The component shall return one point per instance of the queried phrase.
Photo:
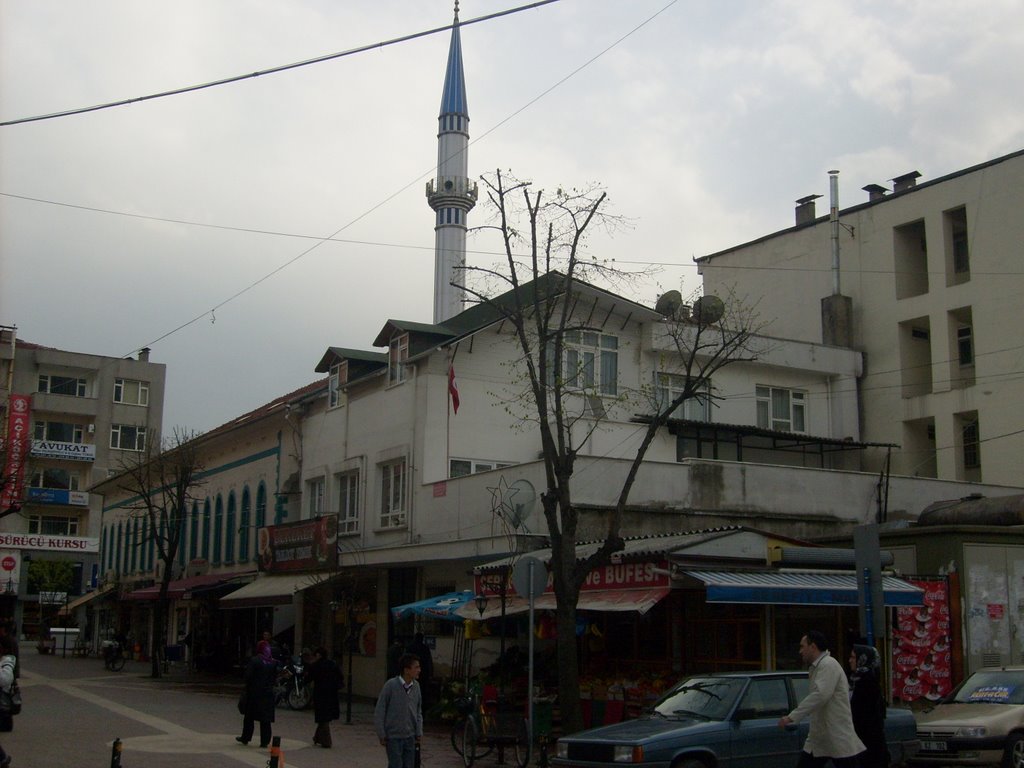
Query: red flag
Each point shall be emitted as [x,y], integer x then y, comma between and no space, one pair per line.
[453,390]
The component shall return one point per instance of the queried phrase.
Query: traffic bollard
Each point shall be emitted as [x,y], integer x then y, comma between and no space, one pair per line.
[276,756]
[543,762]
[115,754]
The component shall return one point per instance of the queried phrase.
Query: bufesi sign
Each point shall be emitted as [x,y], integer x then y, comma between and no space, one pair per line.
[626,575]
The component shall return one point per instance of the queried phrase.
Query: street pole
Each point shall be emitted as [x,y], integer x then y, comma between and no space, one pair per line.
[351,651]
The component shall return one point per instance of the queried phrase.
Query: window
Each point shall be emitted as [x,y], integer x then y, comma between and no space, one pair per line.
[958,259]
[463,467]
[972,445]
[206,530]
[51,525]
[244,527]
[59,431]
[669,386]
[131,392]
[965,345]
[193,536]
[316,497]
[127,437]
[910,253]
[261,509]
[392,494]
[231,531]
[338,379]
[398,353]
[780,409]
[218,530]
[765,698]
[591,362]
[348,502]
[60,479]
[62,385]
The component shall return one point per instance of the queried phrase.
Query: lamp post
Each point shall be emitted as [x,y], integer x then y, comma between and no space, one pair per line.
[353,638]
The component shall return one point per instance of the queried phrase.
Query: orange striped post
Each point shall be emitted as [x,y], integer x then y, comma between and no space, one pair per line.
[276,756]
[115,754]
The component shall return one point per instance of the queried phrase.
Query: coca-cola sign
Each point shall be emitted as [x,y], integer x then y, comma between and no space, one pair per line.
[921,645]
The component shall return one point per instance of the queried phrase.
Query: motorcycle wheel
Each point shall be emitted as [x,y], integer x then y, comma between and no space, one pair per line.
[299,699]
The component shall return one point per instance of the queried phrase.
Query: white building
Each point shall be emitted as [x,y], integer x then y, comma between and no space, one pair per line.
[931,275]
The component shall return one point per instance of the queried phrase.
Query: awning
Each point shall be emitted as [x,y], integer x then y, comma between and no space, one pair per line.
[438,607]
[272,590]
[78,602]
[804,588]
[639,600]
[182,588]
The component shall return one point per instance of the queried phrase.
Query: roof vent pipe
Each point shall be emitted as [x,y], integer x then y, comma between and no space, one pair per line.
[833,217]
[905,182]
[805,209]
[875,192]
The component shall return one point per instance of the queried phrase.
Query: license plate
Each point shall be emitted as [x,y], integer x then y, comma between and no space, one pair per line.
[933,746]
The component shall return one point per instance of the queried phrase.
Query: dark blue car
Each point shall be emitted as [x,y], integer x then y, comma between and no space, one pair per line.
[715,721]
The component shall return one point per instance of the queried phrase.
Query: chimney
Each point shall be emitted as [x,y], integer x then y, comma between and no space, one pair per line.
[875,192]
[905,182]
[144,355]
[805,209]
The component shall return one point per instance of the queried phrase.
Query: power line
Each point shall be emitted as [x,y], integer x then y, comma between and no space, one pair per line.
[272,70]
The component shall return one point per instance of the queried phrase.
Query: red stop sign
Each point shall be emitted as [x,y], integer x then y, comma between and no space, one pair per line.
[8,563]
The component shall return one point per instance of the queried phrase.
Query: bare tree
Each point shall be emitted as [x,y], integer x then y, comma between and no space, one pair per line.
[160,483]
[543,279]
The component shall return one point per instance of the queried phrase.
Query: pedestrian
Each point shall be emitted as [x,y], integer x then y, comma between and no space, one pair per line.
[419,647]
[867,704]
[7,664]
[827,705]
[326,679]
[395,651]
[257,703]
[398,716]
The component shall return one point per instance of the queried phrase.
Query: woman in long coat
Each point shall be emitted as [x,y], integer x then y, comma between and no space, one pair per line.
[867,704]
[326,679]
[257,703]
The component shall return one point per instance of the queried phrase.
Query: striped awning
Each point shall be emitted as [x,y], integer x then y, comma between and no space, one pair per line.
[799,588]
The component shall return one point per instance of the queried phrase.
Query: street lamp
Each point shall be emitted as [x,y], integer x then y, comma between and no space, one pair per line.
[481,604]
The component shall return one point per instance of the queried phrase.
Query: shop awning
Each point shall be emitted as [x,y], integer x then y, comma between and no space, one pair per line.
[183,588]
[78,602]
[639,600]
[803,588]
[272,590]
[438,607]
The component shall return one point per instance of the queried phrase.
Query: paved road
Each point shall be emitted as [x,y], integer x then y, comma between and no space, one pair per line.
[74,709]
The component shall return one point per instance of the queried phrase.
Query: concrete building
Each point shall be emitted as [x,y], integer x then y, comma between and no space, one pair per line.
[79,416]
[925,283]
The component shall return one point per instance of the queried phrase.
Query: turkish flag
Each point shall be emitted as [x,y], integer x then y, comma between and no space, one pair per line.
[453,389]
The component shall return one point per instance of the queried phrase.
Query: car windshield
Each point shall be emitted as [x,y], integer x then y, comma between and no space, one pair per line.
[995,686]
[706,697]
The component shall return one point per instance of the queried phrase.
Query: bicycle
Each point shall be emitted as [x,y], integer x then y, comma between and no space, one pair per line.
[113,656]
[486,727]
[465,706]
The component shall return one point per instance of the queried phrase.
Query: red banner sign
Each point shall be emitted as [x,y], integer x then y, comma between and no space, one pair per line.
[921,640]
[17,446]
[642,575]
[304,546]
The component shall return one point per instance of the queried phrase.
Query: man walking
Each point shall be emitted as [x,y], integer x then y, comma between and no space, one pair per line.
[827,704]
[398,717]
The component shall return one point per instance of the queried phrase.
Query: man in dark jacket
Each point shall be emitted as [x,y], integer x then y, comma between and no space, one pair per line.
[326,679]
[398,717]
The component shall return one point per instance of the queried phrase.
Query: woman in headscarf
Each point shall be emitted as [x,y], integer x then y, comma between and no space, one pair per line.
[257,703]
[868,705]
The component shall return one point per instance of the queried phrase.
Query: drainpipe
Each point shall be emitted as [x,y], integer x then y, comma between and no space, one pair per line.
[833,189]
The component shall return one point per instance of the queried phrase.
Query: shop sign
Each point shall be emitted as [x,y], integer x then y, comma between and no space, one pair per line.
[921,645]
[53,598]
[55,496]
[637,575]
[50,543]
[303,546]
[54,449]
[18,416]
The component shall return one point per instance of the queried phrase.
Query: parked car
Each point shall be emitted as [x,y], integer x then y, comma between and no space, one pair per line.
[727,719]
[979,723]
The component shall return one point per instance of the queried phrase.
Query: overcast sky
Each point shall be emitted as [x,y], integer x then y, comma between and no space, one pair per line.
[704,124]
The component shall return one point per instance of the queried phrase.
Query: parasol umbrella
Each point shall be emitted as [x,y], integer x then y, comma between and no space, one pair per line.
[439,607]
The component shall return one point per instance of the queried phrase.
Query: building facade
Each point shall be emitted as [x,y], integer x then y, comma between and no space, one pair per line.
[927,277]
[80,416]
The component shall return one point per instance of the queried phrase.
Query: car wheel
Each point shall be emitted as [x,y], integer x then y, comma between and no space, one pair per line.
[1014,751]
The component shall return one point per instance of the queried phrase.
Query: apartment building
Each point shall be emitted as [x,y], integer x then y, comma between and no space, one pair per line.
[924,279]
[70,419]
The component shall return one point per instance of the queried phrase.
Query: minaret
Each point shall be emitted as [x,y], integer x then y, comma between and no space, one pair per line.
[452,194]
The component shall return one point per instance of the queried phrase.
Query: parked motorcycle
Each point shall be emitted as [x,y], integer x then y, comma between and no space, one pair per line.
[293,689]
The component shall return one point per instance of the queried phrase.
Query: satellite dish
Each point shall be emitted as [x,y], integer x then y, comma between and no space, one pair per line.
[522,499]
[668,303]
[708,310]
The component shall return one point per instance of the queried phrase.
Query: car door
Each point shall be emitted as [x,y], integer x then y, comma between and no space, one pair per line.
[757,739]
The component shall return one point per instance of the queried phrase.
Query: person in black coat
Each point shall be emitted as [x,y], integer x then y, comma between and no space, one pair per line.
[868,705]
[326,679]
[257,703]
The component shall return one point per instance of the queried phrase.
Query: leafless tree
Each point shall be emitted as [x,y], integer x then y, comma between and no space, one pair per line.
[160,483]
[538,292]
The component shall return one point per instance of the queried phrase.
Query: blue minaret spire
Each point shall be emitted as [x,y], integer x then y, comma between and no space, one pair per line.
[452,194]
